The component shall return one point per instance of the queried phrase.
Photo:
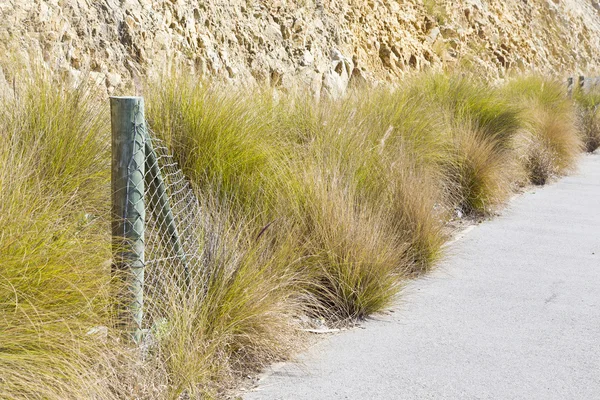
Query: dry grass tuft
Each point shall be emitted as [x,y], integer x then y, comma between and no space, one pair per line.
[481,171]
[551,143]
[210,338]
[589,117]
[351,255]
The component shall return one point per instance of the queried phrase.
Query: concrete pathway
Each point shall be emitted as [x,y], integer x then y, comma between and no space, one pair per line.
[512,313]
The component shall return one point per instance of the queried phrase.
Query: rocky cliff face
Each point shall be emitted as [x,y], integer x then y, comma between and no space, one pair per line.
[324,45]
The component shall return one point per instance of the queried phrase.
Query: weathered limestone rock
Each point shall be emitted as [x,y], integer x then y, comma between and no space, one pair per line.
[287,43]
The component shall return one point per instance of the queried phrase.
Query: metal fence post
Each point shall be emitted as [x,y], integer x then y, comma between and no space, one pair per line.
[570,86]
[128,210]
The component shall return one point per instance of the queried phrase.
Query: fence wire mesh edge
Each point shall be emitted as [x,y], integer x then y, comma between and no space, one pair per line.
[166,218]
[174,268]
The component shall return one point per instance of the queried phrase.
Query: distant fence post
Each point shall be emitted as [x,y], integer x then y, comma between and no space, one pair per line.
[570,86]
[128,210]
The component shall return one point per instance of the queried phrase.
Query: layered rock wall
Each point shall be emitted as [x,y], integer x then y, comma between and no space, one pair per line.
[323,45]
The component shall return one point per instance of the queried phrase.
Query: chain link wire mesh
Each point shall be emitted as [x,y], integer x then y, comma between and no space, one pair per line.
[172,244]
[160,244]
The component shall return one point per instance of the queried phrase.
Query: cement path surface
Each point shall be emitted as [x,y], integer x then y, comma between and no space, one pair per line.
[513,312]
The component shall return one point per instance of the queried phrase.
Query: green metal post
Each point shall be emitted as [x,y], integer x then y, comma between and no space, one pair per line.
[159,204]
[128,211]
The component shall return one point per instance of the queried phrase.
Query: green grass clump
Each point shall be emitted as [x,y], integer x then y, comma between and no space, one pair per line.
[220,140]
[589,117]
[322,172]
[54,245]
[482,105]
[475,134]
[311,211]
